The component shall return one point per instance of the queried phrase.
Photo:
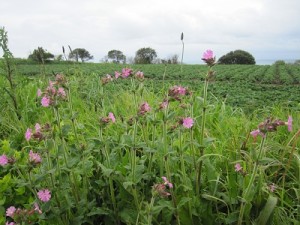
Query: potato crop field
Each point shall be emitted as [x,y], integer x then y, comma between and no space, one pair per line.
[89,143]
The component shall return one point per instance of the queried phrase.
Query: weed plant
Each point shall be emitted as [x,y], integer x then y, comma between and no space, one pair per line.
[115,149]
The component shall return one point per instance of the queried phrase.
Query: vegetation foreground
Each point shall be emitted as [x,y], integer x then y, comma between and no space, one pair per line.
[119,150]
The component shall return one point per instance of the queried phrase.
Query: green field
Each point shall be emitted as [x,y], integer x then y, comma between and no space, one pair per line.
[174,148]
[249,87]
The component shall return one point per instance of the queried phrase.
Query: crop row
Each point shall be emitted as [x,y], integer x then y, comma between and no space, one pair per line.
[265,74]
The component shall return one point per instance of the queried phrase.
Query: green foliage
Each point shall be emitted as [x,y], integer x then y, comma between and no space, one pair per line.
[145,56]
[40,55]
[80,53]
[98,170]
[116,56]
[237,57]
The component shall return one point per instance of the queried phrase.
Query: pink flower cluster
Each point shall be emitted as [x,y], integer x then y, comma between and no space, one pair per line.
[53,92]
[109,118]
[34,158]
[21,215]
[125,73]
[270,125]
[39,133]
[144,108]
[176,92]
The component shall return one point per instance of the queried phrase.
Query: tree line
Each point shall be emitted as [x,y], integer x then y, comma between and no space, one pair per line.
[142,56]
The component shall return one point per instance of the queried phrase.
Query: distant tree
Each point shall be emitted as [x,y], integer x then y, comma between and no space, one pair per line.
[58,58]
[297,62]
[173,59]
[80,53]
[279,62]
[237,57]
[116,56]
[40,55]
[145,56]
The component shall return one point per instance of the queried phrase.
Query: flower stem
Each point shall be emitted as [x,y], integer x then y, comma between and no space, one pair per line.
[202,147]
[251,181]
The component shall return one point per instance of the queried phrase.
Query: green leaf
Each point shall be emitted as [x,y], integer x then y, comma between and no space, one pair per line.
[183,201]
[2,201]
[267,210]
[106,171]
[98,211]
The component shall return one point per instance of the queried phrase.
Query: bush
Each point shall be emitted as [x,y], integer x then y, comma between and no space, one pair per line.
[237,57]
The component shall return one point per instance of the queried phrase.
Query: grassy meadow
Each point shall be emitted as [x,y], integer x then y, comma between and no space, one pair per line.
[213,144]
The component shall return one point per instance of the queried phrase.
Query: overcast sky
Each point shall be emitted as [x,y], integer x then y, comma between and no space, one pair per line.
[268,29]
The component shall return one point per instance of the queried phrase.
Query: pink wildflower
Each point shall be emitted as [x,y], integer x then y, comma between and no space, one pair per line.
[181,90]
[28,134]
[11,211]
[289,123]
[45,101]
[166,182]
[50,89]
[3,160]
[254,133]
[238,167]
[126,72]
[61,92]
[187,122]
[9,223]
[39,93]
[37,208]
[34,157]
[272,187]
[144,108]
[112,117]
[117,74]
[44,195]
[37,127]
[208,55]
[139,75]
[164,104]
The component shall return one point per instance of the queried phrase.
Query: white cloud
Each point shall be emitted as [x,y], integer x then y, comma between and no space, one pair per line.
[265,28]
